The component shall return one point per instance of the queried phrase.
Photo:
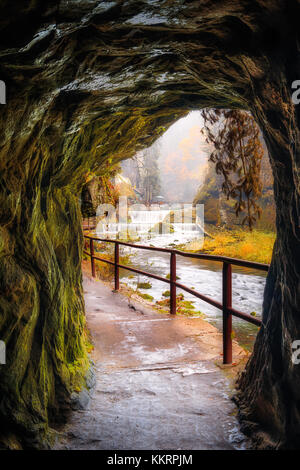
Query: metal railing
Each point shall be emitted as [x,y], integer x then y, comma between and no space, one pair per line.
[89,223]
[225,306]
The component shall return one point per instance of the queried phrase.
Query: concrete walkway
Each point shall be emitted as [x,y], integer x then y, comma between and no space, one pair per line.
[157,385]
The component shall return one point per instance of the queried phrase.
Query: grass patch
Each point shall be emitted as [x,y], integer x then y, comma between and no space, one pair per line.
[145,296]
[253,246]
[183,307]
[144,285]
[243,244]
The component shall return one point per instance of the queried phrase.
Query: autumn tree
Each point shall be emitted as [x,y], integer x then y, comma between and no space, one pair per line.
[237,155]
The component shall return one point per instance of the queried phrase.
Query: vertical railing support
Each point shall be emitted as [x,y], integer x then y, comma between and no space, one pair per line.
[92,257]
[172,284]
[117,281]
[227,317]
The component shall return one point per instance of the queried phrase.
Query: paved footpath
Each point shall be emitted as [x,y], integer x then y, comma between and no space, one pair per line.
[157,385]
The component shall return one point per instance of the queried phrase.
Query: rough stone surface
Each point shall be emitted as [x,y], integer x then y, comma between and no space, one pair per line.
[79,401]
[90,81]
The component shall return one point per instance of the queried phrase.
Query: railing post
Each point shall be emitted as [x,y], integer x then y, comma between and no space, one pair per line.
[172,284]
[227,317]
[92,257]
[117,282]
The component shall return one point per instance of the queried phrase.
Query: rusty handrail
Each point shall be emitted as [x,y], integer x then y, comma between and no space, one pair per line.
[225,306]
[89,223]
[224,259]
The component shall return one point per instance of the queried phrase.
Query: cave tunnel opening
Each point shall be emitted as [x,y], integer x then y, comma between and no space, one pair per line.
[161,210]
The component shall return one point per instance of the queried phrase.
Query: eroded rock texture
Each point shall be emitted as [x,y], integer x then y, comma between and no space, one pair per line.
[93,80]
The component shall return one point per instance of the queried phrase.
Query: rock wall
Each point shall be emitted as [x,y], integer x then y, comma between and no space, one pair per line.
[89,81]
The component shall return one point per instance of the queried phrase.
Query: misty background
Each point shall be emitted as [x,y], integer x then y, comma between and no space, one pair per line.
[181,155]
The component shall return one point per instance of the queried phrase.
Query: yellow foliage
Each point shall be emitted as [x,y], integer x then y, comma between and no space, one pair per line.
[105,271]
[253,246]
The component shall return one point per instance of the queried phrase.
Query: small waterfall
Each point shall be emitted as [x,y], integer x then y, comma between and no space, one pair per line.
[185,227]
[142,222]
[148,217]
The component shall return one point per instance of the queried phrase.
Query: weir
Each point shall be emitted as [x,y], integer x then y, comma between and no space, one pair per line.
[141,222]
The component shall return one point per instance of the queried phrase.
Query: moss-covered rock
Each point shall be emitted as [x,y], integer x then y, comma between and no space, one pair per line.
[144,285]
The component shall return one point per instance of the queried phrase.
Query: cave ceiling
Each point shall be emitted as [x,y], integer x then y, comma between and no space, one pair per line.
[104,79]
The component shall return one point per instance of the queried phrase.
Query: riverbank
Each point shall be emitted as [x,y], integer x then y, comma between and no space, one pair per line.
[243,244]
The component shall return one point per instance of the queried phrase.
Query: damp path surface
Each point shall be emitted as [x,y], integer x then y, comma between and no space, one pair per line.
[157,385]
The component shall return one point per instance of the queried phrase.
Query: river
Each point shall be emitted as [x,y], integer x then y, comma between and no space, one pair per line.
[203,276]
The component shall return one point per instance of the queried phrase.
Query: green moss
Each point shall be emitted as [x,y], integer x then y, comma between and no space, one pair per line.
[42,319]
[168,276]
[145,296]
[144,285]
[183,307]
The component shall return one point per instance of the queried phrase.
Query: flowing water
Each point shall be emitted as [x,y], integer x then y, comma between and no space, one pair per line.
[203,276]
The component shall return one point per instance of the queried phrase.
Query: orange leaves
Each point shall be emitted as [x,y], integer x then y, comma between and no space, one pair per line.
[237,156]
